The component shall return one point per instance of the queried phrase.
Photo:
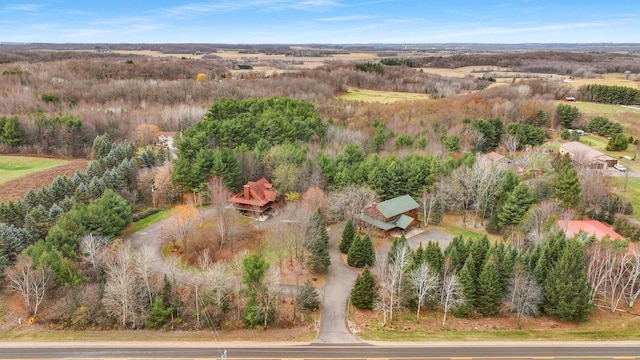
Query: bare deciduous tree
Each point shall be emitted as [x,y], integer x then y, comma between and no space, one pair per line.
[121,291]
[424,282]
[32,283]
[538,219]
[178,227]
[224,215]
[93,250]
[144,269]
[349,202]
[510,142]
[525,294]
[451,294]
[633,277]
[391,269]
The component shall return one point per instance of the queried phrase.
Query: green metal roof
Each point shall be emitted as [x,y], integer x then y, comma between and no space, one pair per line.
[377,223]
[403,221]
[397,206]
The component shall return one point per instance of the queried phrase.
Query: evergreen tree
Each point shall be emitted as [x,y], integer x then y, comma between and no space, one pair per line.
[395,246]
[567,114]
[549,254]
[361,252]
[516,206]
[364,293]
[308,299]
[12,133]
[567,293]
[348,234]
[566,186]
[158,314]
[417,256]
[317,241]
[490,287]
[467,279]
[319,259]
[457,251]
[433,256]
[479,249]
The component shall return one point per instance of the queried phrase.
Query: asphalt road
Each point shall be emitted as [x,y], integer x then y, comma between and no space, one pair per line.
[628,350]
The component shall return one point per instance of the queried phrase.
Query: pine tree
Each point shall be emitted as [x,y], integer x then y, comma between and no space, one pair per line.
[319,259]
[433,256]
[348,234]
[567,293]
[467,279]
[395,245]
[489,290]
[566,186]
[549,254]
[12,133]
[364,293]
[361,252]
[158,314]
[479,249]
[308,299]
[317,241]
[457,251]
[516,206]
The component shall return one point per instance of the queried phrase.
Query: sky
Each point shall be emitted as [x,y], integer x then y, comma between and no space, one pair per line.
[320,21]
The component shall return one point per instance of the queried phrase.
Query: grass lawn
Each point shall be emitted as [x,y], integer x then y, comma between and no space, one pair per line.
[624,115]
[384,97]
[452,224]
[14,167]
[600,143]
[149,220]
[632,194]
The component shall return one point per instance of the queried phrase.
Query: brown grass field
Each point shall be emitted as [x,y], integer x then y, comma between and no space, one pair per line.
[16,189]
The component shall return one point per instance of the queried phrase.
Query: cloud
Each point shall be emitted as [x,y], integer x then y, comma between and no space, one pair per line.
[347,18]
[24,7]
[193,10]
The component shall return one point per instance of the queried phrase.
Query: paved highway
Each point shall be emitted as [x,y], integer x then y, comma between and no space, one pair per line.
[457,351]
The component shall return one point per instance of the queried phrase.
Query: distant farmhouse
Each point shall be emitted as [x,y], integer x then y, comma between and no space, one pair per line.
[256,197]
[587,156]
[397,213]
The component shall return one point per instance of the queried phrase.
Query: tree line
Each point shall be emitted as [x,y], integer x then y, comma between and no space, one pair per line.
[563,278]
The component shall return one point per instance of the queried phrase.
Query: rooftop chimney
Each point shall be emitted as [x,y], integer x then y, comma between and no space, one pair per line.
[247,194]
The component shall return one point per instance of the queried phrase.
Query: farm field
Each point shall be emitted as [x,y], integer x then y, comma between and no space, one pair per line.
[610,79]
[18,174]
[384,97]
[13,167]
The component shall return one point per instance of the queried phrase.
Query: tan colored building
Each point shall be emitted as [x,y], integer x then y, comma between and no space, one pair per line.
[587,156]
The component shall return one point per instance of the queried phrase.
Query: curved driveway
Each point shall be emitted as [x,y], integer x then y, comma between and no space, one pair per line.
[339,279]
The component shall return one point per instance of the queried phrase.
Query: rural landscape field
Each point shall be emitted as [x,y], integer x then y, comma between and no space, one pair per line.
[126,170]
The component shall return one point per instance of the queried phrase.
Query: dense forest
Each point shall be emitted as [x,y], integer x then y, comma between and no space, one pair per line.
[329,158]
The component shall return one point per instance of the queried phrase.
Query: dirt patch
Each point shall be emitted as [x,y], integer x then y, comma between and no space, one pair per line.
[16,189]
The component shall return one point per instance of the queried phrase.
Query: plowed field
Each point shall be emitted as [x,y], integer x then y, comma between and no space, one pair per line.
[17,188]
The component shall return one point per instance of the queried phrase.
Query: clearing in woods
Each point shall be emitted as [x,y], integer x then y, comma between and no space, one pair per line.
[384,97]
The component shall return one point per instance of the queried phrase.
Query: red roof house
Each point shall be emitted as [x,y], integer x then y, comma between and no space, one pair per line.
[256,196]
[591,227]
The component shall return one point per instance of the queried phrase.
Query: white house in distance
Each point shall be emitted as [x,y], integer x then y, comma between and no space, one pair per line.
[587,156]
